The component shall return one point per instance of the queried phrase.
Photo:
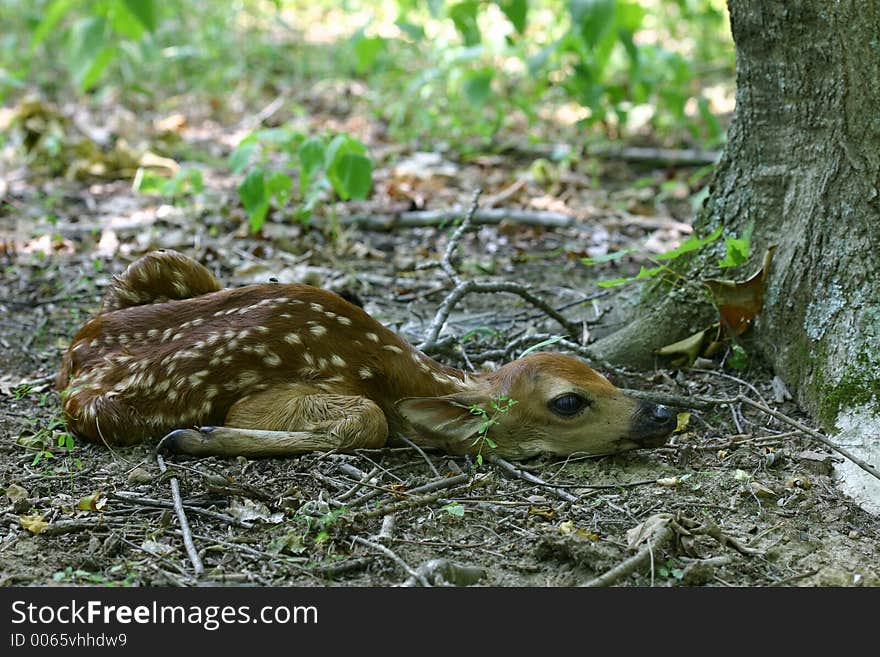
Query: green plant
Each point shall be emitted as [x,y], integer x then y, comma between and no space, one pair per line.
[184,181]
[498,406]
[97,34]
[327,163]
[46,440]
[670,570]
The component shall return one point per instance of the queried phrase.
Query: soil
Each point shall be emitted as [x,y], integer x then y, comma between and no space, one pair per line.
[749,502]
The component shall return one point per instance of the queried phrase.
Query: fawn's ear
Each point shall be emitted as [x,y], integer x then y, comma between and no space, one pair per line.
[451,416]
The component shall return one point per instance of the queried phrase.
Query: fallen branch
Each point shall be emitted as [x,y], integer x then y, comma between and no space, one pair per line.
[658,156]
[526,476]
[161,504]
[391,555]
[485,217]
[864,465]
[442,572]
[198,567]
[661,535]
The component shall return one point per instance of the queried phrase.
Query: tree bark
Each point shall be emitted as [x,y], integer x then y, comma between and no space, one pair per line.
[803,163]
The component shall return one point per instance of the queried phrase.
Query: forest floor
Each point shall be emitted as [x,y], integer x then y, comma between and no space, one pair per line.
[735,498]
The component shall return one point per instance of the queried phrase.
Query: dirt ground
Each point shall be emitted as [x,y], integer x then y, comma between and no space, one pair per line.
[735,498]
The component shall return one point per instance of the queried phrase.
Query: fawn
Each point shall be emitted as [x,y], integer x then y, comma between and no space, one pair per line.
[276,369]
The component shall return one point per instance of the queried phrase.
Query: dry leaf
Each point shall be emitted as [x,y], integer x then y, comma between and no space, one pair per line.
[682,421]
[647,530]
[740,301]
[760,490]
[684,352]
[542,511]
[799,481]
[34,524]
[669,482]
[16,493]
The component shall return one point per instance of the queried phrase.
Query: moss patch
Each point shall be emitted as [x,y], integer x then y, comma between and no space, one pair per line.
[852,390]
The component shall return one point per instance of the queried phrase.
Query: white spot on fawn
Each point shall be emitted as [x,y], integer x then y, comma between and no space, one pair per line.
[345,321]
[272,360]
[317,330]
[365,373]
[293,338]
[392,348]
[372,337]
[337,360]
[317,307]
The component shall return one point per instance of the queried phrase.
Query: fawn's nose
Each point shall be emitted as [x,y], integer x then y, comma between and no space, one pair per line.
[652,423]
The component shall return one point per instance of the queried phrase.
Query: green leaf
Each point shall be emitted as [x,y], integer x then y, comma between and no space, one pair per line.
[241,156]
[311,159]
[516,12]
[739,358]
[51,16]
[339,146]
[278,185]
[737,249]
[366,52]
[643,273]
[93,73]
[692,243]
[255,198]
[125,23]
[542,344]
[478,85]
[87,40]
[351,176]
[593,19]
[464,16]
[608,257]
[144,11]
[413,31]
[454,509]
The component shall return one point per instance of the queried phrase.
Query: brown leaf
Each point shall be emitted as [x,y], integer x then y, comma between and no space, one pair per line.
[34,524]
[542,512]
[684,352]
[740,301]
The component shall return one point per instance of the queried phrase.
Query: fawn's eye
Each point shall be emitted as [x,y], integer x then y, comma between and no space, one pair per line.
[568,404]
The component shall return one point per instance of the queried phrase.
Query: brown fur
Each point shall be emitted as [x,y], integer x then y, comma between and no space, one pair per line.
[282,369]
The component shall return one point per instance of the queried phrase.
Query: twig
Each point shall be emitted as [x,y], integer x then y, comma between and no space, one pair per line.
[864,465]
[360,484]
[522,474]
[446,260]
[421,452]
[679,401]
[464,288]
[198,567]
[658,539]
[161,504]
[423,500]
[391,555]
[387,530]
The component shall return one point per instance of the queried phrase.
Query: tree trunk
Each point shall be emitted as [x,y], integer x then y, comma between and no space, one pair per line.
[803,163]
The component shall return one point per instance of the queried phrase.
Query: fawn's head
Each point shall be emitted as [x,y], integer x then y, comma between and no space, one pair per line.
[543,402]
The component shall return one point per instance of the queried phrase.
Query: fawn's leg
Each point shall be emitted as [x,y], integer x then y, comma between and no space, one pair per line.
[284,421]
[156,277]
